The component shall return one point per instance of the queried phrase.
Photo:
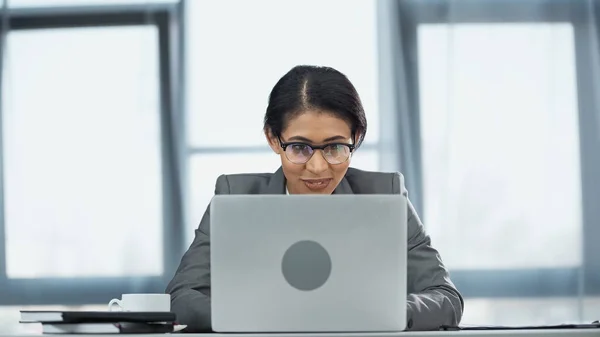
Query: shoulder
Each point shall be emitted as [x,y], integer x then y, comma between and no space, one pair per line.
[370,182]
[243,183]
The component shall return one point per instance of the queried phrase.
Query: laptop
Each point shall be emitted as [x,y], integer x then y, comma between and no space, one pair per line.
[308,263]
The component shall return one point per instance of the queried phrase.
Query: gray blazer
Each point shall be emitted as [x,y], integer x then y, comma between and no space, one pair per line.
[432,298]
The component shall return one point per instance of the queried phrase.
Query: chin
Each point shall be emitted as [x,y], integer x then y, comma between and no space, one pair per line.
[309,191]
[325,191]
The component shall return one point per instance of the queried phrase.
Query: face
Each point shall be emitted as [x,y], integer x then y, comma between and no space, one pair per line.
[317,175]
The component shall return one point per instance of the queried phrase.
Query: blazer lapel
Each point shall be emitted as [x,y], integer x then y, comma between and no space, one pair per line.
[276,185]
[343,187]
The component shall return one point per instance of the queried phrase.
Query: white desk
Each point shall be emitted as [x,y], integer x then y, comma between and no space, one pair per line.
[496,333]
[471,333]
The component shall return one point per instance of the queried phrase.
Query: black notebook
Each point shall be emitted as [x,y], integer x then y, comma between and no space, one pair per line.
[96,317]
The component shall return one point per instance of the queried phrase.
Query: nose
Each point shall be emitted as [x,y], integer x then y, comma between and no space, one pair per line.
[317,164]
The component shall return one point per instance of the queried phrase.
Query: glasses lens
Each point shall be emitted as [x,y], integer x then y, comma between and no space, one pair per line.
[336,153]
[298,153]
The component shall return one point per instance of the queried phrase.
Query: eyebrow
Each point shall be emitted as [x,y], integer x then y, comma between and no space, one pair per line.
[304,139]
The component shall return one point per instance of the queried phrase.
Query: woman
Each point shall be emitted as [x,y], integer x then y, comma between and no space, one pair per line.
[314,122]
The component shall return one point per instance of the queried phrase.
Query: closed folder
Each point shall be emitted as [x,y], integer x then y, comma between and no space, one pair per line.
[96,317]
[105,328]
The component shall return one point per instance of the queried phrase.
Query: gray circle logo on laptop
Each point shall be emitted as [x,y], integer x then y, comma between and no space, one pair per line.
[306,265]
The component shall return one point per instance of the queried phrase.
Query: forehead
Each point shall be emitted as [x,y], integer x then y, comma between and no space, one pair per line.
[316,126]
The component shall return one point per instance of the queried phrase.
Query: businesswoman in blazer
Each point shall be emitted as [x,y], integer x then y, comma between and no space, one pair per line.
[314,122]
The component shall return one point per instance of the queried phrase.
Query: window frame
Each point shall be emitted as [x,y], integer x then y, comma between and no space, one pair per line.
[168,19]
[407,15]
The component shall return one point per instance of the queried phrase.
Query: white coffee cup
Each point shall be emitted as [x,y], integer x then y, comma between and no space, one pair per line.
[141,302]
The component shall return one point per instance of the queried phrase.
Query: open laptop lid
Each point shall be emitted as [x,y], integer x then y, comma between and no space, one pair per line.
[308,263]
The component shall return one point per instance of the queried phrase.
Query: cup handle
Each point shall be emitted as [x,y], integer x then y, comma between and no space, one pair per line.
[112,303]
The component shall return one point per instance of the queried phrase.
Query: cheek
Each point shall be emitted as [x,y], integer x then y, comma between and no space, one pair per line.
[340,169]
[290,169]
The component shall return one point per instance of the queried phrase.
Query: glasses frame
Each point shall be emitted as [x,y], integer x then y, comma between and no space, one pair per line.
[284,146]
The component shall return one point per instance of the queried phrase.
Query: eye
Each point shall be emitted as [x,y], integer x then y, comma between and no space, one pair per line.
[335,149]
[300,148]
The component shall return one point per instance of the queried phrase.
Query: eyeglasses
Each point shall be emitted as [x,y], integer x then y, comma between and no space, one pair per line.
[300,153]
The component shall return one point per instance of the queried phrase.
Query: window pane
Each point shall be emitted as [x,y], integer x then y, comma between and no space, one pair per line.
[591,309]
[519,312]
[500,144]
[237,56]
[367,160]
[82,153]
[204,169]
[51,3]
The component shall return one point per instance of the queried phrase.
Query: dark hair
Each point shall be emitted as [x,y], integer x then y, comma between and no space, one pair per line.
[315,88]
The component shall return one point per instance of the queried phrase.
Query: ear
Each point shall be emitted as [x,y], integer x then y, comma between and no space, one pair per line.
[272,140]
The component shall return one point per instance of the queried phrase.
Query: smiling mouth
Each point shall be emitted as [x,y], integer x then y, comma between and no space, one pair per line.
[317,184]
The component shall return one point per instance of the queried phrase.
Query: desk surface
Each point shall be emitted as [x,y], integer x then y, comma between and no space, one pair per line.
[470,333]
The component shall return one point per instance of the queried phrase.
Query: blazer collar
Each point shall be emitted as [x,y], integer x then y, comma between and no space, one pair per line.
[343,187]
[276,184]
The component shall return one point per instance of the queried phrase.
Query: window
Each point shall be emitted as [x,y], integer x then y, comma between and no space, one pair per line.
[508,171]
[530,311]
[87,155]
[205,169]
[82,155]
[498,128]
[232,73]
[521,311]
[365,158]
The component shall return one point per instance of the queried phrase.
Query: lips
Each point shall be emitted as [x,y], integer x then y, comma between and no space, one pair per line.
[317,184]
